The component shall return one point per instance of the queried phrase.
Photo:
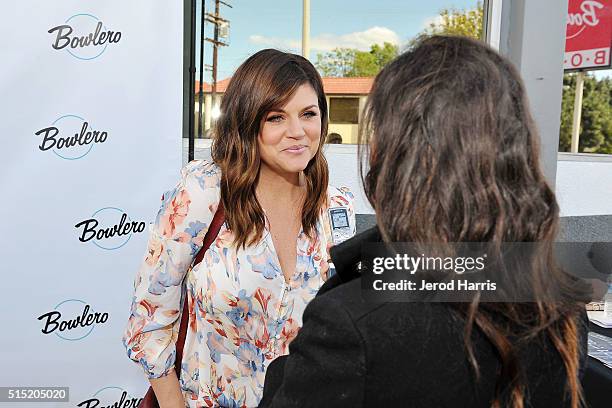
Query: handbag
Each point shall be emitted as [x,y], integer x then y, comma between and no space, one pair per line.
[150,400]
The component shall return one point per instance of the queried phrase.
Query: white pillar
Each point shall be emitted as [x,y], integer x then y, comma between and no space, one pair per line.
[533,38]
[493,19]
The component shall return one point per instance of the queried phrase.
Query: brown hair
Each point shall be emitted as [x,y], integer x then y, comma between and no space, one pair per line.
[454,157]
[264,82]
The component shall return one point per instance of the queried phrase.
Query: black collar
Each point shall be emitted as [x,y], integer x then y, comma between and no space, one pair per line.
[346,256]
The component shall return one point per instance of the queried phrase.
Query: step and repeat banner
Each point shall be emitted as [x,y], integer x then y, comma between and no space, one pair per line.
[91,119]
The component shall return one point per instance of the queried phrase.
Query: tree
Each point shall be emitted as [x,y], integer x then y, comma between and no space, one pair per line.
[370,63]
[452,21]
[348,62]
[596,121]
[336,63]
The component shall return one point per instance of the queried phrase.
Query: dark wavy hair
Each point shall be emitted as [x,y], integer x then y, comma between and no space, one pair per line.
[453,156]
[265,81]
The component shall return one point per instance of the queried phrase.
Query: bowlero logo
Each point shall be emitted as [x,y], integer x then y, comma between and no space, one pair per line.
[72,319]
[70,137]
[84,36]
[109,228]
[110,397]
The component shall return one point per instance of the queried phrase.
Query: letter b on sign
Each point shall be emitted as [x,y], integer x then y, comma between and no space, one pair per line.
[600,57]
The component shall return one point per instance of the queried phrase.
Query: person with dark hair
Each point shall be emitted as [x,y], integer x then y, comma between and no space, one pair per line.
[269,259]
[334,138]
[453,156]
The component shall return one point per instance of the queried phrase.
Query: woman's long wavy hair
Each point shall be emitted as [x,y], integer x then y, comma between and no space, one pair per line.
[264,82]
[453,156]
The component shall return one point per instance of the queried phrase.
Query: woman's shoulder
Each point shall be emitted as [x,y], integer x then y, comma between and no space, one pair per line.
[202,167]
[204,174]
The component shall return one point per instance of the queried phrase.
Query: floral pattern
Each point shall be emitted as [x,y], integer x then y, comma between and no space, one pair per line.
[242,312]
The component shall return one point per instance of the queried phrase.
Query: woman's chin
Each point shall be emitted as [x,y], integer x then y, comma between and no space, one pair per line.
[294,168]
[294,165]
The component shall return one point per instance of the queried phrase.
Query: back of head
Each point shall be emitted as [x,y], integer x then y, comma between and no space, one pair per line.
[453,157]
[455,151]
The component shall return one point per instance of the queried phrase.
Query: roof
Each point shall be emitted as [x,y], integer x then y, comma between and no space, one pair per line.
[331,85]
[347,86]
[221,86]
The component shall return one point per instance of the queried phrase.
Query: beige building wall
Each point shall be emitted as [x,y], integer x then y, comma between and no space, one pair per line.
[349,132]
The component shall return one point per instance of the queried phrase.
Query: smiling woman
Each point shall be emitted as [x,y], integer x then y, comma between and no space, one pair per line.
[269,259]
[301,121]
[275,101]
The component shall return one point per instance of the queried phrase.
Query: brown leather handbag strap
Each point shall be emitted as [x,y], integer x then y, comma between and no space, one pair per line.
[211,235]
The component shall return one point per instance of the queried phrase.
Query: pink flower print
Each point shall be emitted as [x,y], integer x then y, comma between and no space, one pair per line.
[146,308]
[193,322]
[154,250]
[262,336]
[216,346]
[263,296]
[289,332]
[340,201]
[174,214]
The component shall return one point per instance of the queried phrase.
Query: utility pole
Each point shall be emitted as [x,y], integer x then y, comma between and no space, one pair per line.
[306,28]
[218,22]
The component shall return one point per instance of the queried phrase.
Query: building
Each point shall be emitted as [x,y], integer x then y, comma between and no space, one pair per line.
[346,98]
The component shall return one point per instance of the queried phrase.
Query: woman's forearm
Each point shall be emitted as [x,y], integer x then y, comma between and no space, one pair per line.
[168,391]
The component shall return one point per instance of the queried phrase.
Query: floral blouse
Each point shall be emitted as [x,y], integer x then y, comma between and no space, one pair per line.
[242,312]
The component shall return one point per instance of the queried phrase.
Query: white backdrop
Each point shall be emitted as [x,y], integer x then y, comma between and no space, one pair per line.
[122,82]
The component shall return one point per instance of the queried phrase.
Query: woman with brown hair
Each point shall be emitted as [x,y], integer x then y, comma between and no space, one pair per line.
[453,157]
[246,297]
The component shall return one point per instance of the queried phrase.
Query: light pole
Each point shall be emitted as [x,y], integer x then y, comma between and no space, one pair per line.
[577,112]
[306,28]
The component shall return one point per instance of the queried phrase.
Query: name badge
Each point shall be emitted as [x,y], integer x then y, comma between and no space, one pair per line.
[339,220]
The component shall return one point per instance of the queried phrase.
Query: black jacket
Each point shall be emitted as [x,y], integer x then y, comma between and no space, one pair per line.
[350,353]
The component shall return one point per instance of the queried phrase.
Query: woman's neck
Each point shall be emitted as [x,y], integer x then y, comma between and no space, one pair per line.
[287,186]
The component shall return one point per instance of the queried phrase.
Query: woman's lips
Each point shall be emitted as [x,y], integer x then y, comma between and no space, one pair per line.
[295,149]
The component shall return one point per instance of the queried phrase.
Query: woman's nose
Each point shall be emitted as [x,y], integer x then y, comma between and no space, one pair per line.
[295,129]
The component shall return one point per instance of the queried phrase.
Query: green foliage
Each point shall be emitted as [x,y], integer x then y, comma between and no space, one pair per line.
[596,121]
[452,21]
[347,62]
[336,63]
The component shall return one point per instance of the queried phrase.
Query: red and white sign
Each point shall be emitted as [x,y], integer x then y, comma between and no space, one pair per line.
[588,37]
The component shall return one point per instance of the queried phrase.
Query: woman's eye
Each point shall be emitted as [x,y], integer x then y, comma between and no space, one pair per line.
[310,114]
[275,118]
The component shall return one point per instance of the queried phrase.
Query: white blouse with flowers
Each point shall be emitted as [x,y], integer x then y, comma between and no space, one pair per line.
[242,312]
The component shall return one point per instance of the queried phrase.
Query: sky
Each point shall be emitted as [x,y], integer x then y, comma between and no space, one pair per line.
[255,25]
[263,24]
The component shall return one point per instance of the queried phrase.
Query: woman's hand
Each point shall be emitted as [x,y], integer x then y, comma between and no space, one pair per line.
[168,391]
